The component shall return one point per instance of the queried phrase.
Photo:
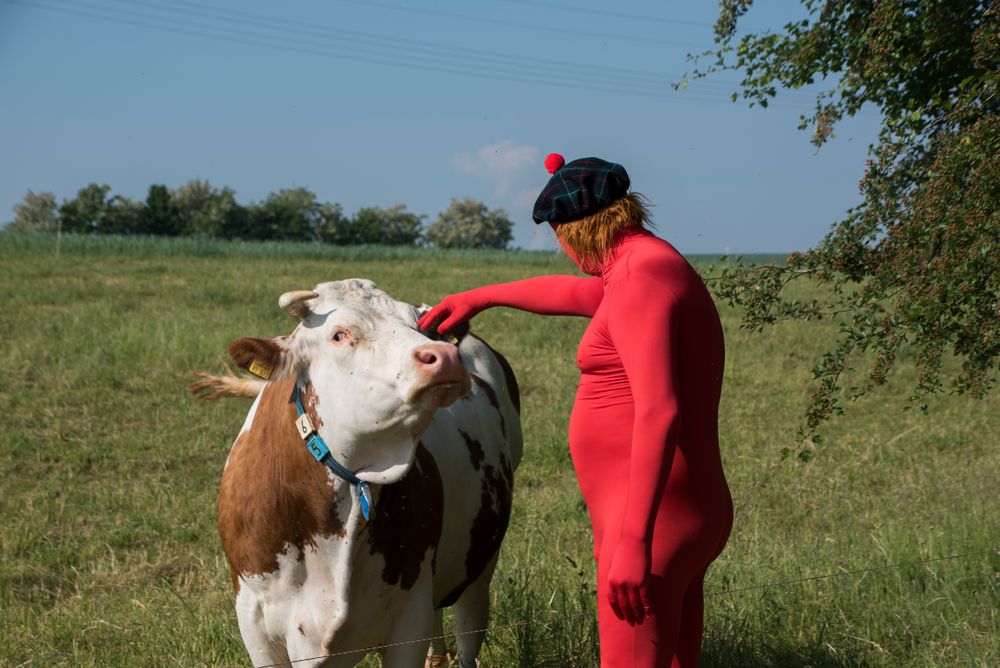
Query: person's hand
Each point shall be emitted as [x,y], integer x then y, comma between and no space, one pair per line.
[451,312]
[627,592]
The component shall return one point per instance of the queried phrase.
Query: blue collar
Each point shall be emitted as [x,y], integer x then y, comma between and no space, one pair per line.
[318,448]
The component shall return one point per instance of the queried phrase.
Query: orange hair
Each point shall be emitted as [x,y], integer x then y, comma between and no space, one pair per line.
[593,237]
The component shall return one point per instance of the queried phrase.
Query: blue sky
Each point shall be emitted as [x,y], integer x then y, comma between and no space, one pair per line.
[373,102]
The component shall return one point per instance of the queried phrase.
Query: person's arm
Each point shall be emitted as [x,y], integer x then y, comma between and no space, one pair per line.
[642,323]
[547,295]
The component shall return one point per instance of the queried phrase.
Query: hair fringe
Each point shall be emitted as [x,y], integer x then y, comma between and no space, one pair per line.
[592,238]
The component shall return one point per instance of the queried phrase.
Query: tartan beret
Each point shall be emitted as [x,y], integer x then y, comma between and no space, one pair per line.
[579,188]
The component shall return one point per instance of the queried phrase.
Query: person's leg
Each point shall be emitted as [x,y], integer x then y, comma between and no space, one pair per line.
[688,649]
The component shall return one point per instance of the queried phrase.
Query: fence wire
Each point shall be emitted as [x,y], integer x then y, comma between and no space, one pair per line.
[720,592]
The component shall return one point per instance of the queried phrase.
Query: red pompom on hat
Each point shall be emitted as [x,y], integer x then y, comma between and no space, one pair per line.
[554,162]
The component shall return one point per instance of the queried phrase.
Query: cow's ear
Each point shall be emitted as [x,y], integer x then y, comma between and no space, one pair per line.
[264,358]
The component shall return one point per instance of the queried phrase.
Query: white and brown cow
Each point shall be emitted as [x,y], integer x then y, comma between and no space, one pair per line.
[434,428]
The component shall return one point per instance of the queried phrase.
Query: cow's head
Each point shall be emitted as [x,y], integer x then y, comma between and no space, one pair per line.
[375,379]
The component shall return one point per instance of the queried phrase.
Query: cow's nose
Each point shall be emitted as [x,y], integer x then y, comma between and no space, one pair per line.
[439,362]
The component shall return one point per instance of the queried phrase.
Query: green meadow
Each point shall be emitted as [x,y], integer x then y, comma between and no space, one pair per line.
[109,472]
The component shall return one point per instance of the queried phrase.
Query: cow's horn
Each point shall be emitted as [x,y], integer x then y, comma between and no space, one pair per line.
[294,302]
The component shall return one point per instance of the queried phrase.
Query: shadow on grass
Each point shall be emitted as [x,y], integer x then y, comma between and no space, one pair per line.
[729,653]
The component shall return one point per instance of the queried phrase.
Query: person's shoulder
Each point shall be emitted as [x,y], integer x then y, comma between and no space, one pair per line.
[657,265]
[655,259]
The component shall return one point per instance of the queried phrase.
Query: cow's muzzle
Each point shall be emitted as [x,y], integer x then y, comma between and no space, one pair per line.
[441,375]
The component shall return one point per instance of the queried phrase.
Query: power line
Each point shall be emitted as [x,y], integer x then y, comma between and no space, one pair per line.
[609,14]
[353,54]
[529,72]
[525,26]
[392,43]
[533,63]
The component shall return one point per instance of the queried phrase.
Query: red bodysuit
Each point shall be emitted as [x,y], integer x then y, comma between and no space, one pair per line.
[643,436]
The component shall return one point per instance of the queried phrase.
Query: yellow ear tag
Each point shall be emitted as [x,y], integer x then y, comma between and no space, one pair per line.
[260,369]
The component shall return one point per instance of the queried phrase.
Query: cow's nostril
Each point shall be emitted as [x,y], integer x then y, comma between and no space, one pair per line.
[425,356]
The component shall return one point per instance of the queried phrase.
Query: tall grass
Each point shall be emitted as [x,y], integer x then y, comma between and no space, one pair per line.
[147,246]
[109,472]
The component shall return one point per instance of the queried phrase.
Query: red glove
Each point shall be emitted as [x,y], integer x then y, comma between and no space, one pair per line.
[627,592]
[453,310]
[548,295]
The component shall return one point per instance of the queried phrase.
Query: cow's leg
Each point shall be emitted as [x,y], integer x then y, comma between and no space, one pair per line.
[409,638]
[262,650]
[472,613]
[437,655]
[409,654]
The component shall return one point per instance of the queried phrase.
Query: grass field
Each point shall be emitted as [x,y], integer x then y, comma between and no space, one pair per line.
[109,472]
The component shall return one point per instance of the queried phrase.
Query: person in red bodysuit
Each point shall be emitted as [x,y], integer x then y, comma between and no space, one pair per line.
[643,433]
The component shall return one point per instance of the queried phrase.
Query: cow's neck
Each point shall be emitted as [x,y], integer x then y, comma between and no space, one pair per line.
[379,455]
[297,503]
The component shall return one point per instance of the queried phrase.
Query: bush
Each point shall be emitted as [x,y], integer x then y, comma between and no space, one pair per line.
[394,226]
[468,223]
[38,213]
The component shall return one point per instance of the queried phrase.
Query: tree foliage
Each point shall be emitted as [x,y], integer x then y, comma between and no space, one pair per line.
[291,214]
[95,210]
[206,211]
[285,215]
[37,213]
[468,223]
[914,265]
[394,226]
[160,216]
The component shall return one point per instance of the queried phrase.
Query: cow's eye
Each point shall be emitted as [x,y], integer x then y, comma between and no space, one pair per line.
[340,336]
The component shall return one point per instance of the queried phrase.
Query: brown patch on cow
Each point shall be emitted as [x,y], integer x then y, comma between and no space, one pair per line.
[409,516]
[510,380]
[475,449]
[489,525]
[273,493]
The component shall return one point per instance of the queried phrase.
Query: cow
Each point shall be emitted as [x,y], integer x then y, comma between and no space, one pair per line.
[427,434]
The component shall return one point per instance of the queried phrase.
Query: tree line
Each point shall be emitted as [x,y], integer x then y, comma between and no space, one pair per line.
[291,214]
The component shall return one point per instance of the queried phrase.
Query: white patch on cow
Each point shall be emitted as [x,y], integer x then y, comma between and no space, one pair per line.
[302,607]
[247,424]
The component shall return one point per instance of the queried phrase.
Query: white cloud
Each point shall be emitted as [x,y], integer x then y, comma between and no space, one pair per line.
[504,162]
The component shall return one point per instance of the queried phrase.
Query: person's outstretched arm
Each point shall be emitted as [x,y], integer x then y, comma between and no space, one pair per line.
[641,322]
[547,295]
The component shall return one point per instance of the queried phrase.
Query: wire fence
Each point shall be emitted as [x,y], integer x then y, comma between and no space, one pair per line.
[720,592]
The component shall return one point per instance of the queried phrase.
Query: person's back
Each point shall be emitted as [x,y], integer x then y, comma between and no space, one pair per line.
[698,346]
